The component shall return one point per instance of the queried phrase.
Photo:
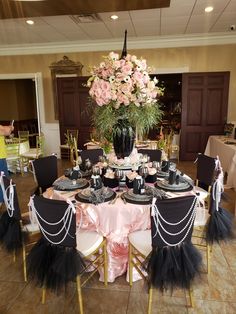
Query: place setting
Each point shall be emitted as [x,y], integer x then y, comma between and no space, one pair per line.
[141,193]
[66,184]
[174,183]
[96,193]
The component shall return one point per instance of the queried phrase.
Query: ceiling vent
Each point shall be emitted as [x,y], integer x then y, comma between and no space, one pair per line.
[85,18]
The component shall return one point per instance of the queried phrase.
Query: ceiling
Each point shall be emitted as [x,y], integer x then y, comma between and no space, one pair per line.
[184,21]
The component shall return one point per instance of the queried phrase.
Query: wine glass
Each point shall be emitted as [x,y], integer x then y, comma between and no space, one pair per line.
[143,171]
[96,170]
[102,158]
[156,165]
[88,165]
[119,174]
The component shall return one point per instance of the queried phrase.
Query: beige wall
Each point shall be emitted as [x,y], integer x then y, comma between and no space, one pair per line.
[197,59]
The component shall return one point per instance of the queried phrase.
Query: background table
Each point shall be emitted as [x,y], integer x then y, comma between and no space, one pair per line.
[227,154]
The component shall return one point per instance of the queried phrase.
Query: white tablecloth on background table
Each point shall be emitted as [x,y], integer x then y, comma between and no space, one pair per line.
[227,154]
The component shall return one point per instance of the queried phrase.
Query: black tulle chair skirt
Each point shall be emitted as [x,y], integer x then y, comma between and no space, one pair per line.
[52,266]
[173,267]
[10,232]
[220,226]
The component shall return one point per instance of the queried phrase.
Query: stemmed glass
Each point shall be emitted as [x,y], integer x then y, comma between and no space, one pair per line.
[143,171]
[96,170]
[119,174]
[156,165]
[88,165]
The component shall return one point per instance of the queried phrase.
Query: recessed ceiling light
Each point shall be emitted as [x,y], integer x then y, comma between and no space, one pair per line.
[30,22]
[209,9]
[114,17]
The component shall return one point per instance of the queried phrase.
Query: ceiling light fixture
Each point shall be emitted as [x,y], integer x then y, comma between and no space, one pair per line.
[30,22]
[114,17]
[209,9]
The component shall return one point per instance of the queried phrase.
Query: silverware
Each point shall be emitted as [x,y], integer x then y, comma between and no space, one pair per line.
[114,200]
[123,198]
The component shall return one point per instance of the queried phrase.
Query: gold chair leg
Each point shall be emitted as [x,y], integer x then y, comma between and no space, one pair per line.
[208,258]
[24,263]
[14,256]
[130,266]
[191,297]
[105,263]
[79,295]
[43,295]
[211,248]
[150,300]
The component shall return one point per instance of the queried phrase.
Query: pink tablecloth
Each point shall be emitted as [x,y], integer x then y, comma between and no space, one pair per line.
[115,222]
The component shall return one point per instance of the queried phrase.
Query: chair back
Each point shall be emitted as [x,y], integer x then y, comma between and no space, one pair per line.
[91,154]
[23,135]
[174,260]
[154,154]
[13,148]
[10,197]
[70,135]
[206,170]
[56,219]
[172,220]
[45,171]
[73,132]
[40,145]
[10,225]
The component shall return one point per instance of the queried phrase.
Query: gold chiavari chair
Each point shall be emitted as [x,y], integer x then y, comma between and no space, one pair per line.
[165,255]
[60,246]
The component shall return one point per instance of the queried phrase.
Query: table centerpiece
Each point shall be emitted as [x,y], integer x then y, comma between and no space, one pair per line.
[126,100]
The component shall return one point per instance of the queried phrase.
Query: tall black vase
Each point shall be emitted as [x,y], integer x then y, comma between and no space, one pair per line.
[123,139]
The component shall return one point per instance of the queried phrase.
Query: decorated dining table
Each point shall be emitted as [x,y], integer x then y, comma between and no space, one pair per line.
[115,214]
[126,105]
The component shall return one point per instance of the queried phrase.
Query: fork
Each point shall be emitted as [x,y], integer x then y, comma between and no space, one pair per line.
[114,200]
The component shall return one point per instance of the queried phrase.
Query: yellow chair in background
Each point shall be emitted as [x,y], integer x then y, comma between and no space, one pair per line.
[23,135]
[33,153]
[65,149]
[15,147]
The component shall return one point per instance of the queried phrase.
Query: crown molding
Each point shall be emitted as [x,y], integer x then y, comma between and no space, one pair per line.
[133,43]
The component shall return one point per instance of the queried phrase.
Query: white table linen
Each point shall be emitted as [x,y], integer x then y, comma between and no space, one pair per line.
[227,154]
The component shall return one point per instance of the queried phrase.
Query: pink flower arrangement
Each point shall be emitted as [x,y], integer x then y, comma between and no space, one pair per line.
[124,95]
[125,81]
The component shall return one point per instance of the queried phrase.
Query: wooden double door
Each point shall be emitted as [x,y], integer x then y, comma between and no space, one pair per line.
[204,109]
[74,108]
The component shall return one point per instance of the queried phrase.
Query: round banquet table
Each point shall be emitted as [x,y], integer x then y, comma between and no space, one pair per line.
[115,222]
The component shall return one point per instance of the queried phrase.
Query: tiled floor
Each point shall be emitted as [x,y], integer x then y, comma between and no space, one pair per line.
[214,293]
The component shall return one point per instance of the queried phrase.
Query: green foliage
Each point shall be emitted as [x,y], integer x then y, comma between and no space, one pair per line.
[106,118]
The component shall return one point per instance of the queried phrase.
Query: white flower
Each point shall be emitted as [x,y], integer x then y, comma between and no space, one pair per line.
[155,80]
[127,79]
[114,56]
[112,79]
